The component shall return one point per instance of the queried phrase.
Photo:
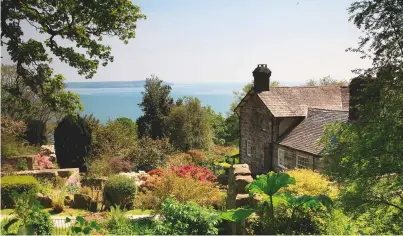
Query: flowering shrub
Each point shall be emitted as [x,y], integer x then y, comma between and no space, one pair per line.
[44,162]
[195,172]
[196,155]
[156,189]
[119,164]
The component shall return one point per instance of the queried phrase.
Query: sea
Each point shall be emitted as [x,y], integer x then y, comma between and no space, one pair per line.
[113,99]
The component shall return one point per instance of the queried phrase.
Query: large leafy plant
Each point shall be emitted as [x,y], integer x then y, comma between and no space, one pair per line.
[266,187]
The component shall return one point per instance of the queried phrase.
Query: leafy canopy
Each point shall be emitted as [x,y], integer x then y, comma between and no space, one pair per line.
[80,24]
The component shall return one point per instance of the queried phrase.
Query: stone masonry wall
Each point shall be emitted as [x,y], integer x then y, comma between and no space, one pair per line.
[239,176]
[255,126]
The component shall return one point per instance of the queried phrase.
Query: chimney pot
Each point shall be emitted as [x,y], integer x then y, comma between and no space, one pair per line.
[261,75]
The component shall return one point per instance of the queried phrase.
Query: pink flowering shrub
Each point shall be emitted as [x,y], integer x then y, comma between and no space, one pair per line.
[195,172]
[44,162]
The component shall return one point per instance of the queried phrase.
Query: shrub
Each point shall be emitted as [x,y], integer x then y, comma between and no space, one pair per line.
[17,184]
[148,154]
[100,167]
[86,190]
[41,222]
[179,159]
[309,182]
[157,189]
[22,164]
[44,162]
[187,219]
[36,132]
[120,190]
[73,140]
[196,172]
[119,164]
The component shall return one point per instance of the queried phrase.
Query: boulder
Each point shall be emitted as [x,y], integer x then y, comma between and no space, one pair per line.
[241,200]
[68,201]
[241,181]
[45,201]
[82,201]
[241,169]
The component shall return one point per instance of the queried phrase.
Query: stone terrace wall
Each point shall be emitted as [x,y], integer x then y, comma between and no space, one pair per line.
[239,177]
[13,161]
[72,174]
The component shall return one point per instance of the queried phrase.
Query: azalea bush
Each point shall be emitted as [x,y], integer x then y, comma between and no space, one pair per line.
[157,188]
[44,162]
[195,172]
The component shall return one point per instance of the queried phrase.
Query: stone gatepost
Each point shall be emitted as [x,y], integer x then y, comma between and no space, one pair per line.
[239,176]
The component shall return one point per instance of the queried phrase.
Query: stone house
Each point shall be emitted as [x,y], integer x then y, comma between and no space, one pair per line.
[280,126]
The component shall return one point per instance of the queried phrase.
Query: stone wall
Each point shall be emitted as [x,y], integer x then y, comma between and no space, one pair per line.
[239,176]
[13,161]
[72,175]
[255,126]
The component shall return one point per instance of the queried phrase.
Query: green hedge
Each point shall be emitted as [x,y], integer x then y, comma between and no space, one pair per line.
[120,190]
[18,184]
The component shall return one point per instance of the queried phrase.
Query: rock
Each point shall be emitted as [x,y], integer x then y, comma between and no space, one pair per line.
[45,201]
[241,181]
[82,201]
[241,200]
[241,169]
[68,201]
[93,206]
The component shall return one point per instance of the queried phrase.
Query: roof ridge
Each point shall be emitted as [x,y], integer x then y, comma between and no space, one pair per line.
[326,109]
[326,86]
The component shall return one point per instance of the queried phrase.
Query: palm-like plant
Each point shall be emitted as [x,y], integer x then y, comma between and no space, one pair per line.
[268,186]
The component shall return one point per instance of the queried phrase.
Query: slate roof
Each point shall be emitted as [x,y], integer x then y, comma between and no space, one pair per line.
[295,101]
[305,136]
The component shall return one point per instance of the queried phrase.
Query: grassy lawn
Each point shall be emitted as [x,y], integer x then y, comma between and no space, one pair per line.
[138,212]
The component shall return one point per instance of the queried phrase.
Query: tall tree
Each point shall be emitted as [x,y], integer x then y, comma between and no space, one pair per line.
[190,125]
[83,23]
[366,155]
[27,105]
[156,105]
[324,81]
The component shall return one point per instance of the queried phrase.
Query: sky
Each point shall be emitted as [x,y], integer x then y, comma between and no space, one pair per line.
[205,41]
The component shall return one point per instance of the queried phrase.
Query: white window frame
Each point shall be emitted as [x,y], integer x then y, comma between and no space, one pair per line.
[281,156]
[248,148]
[299,156]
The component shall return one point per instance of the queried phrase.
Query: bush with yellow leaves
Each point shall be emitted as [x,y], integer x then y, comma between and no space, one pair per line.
[312,183]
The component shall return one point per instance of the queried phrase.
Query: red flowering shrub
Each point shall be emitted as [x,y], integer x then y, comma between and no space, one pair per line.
[196,172]
[158,172]
[44,162]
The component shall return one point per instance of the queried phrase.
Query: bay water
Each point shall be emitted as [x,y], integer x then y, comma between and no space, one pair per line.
[110,100]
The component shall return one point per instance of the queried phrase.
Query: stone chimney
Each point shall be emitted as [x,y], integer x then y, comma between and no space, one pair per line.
[261,78]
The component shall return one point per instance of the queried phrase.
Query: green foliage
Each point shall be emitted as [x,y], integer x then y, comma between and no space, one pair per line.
[218,126]
[187,219]
[117,223]
[326,81]
[36,132]
[268,187]
[69,21]
[189,126]
[120,190]
[148,154]
[12,142]
[73,140]
[156,105]
[22,164]
[19,184]
[83,227]
[29,217]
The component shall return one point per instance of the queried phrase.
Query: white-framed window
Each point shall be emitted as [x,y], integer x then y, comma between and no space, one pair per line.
[302,162]
[281,158]
[249,148]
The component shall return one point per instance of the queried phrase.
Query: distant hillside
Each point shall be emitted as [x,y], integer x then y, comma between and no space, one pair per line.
[110,84]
